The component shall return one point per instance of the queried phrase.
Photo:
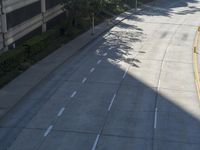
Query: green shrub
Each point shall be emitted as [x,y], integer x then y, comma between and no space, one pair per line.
[40,42]
[12,59]
[15,61]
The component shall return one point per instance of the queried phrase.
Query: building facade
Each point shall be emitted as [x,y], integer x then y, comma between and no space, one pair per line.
[21,18]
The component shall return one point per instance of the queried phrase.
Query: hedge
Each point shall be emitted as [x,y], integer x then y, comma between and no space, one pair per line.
[19,59]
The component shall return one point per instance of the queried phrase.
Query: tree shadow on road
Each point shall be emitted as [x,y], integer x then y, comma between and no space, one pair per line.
[131,122]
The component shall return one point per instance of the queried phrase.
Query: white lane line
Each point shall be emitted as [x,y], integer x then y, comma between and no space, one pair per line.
[99,61]
[92,70]
[48,130]
[105,54]
[159,84]
[95,143]
[61,111]
[73,94]
[84,79]
[163,64]
[125,72]
[111,103]
[155,118]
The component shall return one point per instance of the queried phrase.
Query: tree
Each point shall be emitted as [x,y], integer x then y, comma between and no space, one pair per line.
[74,9]
[77,9]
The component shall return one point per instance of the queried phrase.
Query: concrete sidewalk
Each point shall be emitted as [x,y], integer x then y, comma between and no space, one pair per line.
[16,90]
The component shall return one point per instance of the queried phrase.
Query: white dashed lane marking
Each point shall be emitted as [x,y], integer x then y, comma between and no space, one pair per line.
[92,70]
[105,54]
[111,103]
[125,72]
[84,80]
[61,111]
[99,61]
[155,118]
[73,94]
[48,130]
[95,143]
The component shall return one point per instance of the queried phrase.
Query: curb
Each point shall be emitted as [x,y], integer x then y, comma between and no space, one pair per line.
[195,61]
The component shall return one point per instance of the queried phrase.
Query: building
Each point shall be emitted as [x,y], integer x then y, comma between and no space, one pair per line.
[23,18]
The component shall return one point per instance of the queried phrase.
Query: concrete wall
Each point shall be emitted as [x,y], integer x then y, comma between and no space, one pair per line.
[21,17]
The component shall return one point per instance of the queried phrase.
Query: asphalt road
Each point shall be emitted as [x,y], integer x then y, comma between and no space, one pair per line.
[131,89]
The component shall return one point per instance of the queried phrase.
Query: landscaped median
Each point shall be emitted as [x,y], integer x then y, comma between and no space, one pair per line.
[196,62]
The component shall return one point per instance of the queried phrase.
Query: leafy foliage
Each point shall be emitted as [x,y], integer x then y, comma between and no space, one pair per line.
[78,9]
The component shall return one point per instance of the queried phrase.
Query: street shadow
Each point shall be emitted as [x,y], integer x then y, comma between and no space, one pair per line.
[132,115]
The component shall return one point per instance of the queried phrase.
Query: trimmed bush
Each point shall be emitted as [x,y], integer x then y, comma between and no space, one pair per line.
[17,60]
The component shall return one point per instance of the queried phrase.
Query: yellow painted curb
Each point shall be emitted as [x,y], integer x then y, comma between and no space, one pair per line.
[195,58]
[195,50]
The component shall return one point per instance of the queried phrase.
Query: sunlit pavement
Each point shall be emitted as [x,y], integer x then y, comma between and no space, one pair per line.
[131,89]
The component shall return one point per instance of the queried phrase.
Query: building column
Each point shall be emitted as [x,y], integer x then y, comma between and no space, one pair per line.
[4,27]
[43,9]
